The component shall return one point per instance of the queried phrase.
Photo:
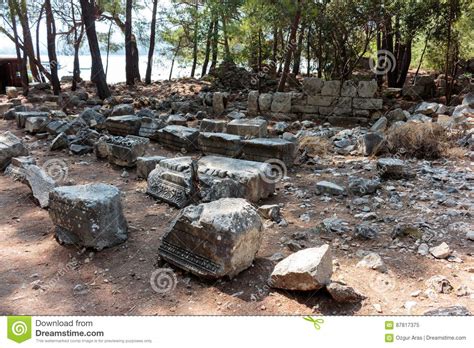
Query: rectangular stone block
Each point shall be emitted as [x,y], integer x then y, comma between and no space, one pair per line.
[179,138]
[209,125]
[267,149]
[367,89]
[367,103]
[255,177]
[265,101]
[312,85]
[321,100]
[124,151]
[149,127]
[281,102]
[224,144]
[145,165]
[252,103]
[10,146]
[248,128]
[173,181]
[123,125]
[17,168]
[36,124]
[88,216]
[304,109]
[214,240]
[21,117]
[331,88]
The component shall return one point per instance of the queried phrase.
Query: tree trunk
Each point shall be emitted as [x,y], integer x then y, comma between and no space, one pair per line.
[130,78]
[227,55]
[308,52]
[174,58]
[151,49]
[97,71]
[38,50]
[23,68]
[299,50]
[51,36]
[215,41]
[291,48]
[21,10]
[109,33]
[76,71]
[195,40]
[208,48]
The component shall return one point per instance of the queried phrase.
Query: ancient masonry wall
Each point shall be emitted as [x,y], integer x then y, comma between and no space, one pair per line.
[319,99]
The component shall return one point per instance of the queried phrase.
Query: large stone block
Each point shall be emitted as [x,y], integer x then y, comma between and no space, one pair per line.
[179,138]
[36,124]
[41,184]
[367,89]
[124,151]
[252,103]
[17,168]
[331,88]
[213,240]
[4,107]
[218,103]
[265,101]
[209,125]
[349,89]
[281,102]
[312,85]
[255,177]
[174,181]
[320,100]
[145,165]
[150,127]
[263,149]
[88,216]
[21,117]
[224,144]
[123,125]
[10,146]
[248,128]
[367,103]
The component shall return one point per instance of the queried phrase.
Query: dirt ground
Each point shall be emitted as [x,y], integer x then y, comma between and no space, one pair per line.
[40,277]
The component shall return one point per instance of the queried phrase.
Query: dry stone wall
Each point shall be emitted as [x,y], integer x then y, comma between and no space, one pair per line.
[331,100]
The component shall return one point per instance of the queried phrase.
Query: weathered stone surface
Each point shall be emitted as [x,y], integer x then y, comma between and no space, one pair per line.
[179,138]
[326,187]
[281,102]
[21,117]
[216,126]
[122,110]
[308,269]
[123,125]
[224,144]
[235,115]
[79,149]
[349,89]
[367,103]
[218,103]
[10,146]
[343,293]
[17,168]
[174,181]
[440,284]
[36,124]
[60,142]
[270,211]
[56,127]
[380,125]
[373,261]
[150,127]
[371,143]
[251,128]
[93,118]
[124,151]
[426,108]
[214,240]
[322,100]
[177,120]
[41,184]
[361,186]
[441,251]
[449,311]
[397,115]
[252,103]
[312,85]
[391,168]
[145,165]
[366,231]
[249,174]
[331,88]
[88,216]
[11,92]
[265,101]
[264,149]
[367,89]
[4,107]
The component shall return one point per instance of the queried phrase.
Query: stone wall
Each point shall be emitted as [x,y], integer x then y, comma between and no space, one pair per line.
[330,100]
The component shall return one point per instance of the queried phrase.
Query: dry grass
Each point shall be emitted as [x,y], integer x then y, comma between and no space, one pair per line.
[314,146]
[420,140]
[456,152]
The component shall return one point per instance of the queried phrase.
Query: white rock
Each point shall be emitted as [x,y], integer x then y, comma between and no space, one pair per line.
[441,251]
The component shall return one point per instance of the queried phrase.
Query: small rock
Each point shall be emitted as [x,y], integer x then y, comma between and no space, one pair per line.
[343,293]
[449,311]
[373,261]
[441,251]
[440,284]
[366,231]
[329,188]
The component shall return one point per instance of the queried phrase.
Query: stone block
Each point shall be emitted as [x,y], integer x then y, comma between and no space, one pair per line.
[248,128]
[367,89]
[264,149]
[367,103]
[281,102]
[312,85]
[36,124]
[10,146]
[149,128]
[265,101]
[145,165]
[124,151]
[123,125]
[179,138]
[224,144]
[321,100]
[331,88]
[214,240]
[252,103]
[21,117]
[88,216]
[41,184]
[17,168]
[209,125]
